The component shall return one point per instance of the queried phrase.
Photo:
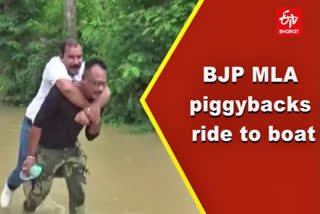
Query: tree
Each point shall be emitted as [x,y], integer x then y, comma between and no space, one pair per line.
[132,36]
[6,5]
[70,18]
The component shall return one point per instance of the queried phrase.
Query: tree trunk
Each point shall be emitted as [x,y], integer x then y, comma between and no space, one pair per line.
[6,5]
[70,18]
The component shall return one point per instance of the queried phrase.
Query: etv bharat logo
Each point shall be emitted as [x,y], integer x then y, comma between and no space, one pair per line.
[289,21]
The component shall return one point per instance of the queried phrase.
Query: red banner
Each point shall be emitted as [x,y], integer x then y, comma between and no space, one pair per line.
[236,104]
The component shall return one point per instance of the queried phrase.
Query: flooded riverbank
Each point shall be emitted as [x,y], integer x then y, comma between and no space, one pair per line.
[129,173]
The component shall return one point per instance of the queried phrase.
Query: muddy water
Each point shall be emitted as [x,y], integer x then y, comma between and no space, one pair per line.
[129,174]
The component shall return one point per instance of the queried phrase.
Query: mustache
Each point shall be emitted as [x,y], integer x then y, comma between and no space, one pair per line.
[75,66]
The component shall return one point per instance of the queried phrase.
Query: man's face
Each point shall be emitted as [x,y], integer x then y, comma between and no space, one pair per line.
[72,59]
[95,82]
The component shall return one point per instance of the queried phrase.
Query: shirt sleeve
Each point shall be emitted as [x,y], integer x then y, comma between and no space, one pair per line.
[55,70]
[49,107]
[90,136]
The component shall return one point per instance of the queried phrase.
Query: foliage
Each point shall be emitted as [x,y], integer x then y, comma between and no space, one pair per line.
[132,36]
[26,44]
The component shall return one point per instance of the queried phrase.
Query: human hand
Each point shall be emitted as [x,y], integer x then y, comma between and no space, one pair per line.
[27,164]
[82,118]
[93,113]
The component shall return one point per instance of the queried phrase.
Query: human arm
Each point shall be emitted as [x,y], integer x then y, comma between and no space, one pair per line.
[82,118]
[47,111]
[94,115]
[34,139]
[74,95]
[92,131]
[56,74]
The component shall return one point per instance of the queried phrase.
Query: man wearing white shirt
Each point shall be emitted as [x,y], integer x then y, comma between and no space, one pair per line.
[60,71]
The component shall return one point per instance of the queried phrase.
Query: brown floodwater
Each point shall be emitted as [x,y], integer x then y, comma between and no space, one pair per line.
[129,173]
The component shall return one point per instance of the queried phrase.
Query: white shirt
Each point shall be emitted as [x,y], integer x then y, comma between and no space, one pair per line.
[54,70]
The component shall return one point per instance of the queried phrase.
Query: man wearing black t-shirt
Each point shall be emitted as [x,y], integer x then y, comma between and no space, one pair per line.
[56,133]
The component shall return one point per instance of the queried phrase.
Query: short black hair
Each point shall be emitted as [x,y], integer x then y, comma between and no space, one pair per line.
[68,43]
[92,62]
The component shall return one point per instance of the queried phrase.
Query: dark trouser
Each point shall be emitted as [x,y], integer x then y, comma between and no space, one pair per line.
[73,164]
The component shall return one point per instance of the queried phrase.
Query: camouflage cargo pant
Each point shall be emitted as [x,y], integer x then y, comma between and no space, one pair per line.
[72,162]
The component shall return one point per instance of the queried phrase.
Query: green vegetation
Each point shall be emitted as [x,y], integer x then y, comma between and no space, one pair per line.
[132,36]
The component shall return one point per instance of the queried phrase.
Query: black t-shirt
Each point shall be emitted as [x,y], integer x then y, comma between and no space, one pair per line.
[56,118]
